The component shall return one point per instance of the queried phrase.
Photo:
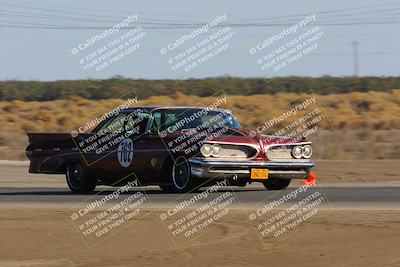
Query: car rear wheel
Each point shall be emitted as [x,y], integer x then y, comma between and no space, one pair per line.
[276,184]
[182,180]
[78,180]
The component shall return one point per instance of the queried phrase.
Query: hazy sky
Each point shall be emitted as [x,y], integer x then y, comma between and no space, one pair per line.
[37,37]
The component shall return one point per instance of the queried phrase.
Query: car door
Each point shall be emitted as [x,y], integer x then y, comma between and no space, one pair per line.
[130,151]
[115,156]
[151,154]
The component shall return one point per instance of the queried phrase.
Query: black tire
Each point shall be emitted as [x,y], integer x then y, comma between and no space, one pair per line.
[181,177]
[77,179]
[276,184]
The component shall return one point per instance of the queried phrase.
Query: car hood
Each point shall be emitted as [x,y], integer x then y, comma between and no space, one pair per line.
[245,136]
[242,137]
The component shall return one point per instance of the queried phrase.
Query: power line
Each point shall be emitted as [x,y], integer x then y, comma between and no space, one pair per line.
[152,24]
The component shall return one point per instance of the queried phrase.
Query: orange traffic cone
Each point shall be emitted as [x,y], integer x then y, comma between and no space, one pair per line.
[311,180]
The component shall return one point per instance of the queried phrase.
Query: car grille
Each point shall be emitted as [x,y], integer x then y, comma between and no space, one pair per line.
[280,152]
[237,151]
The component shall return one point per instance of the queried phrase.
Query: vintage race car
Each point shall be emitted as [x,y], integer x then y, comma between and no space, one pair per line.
[177,148]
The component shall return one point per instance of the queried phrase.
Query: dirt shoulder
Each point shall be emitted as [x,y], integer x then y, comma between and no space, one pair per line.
[357,171]
[46,237]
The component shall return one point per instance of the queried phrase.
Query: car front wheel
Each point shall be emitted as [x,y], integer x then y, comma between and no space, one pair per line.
[182,180]
[276,184]
[78,180]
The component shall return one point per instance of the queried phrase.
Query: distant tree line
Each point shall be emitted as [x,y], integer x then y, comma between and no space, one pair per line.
[119,86]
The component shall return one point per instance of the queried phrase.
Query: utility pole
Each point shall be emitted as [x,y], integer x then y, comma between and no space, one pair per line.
[356,67]
[355,58]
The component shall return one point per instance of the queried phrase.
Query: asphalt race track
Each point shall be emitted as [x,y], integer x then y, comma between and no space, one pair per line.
[379,197]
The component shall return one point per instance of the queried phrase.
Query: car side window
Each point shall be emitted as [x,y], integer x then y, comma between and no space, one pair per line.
[168,119]
[161,121]
[114,124]
[156,122]
[136,123]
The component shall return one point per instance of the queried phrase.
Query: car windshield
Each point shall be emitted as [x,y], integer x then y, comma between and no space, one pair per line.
[179,120]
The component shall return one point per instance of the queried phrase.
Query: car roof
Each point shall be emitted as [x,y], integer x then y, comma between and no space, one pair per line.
[152,108]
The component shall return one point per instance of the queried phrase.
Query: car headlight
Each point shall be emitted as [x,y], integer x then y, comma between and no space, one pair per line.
[216,150]
[297,152]
[206,150]
[307,151]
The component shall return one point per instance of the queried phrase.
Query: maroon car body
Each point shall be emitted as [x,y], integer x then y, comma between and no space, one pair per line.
[171,147]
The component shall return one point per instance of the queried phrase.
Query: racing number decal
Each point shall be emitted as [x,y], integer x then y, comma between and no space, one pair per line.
[125,152]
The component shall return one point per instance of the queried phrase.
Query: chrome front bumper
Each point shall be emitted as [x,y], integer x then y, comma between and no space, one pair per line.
[208,169]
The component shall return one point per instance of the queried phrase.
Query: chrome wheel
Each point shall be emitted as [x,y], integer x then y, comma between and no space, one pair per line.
[182,180]
[181,174]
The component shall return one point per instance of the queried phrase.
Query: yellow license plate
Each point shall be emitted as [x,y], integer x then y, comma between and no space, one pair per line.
[259,174]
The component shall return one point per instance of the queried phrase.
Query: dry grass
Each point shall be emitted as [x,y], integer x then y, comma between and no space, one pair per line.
[363,125]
